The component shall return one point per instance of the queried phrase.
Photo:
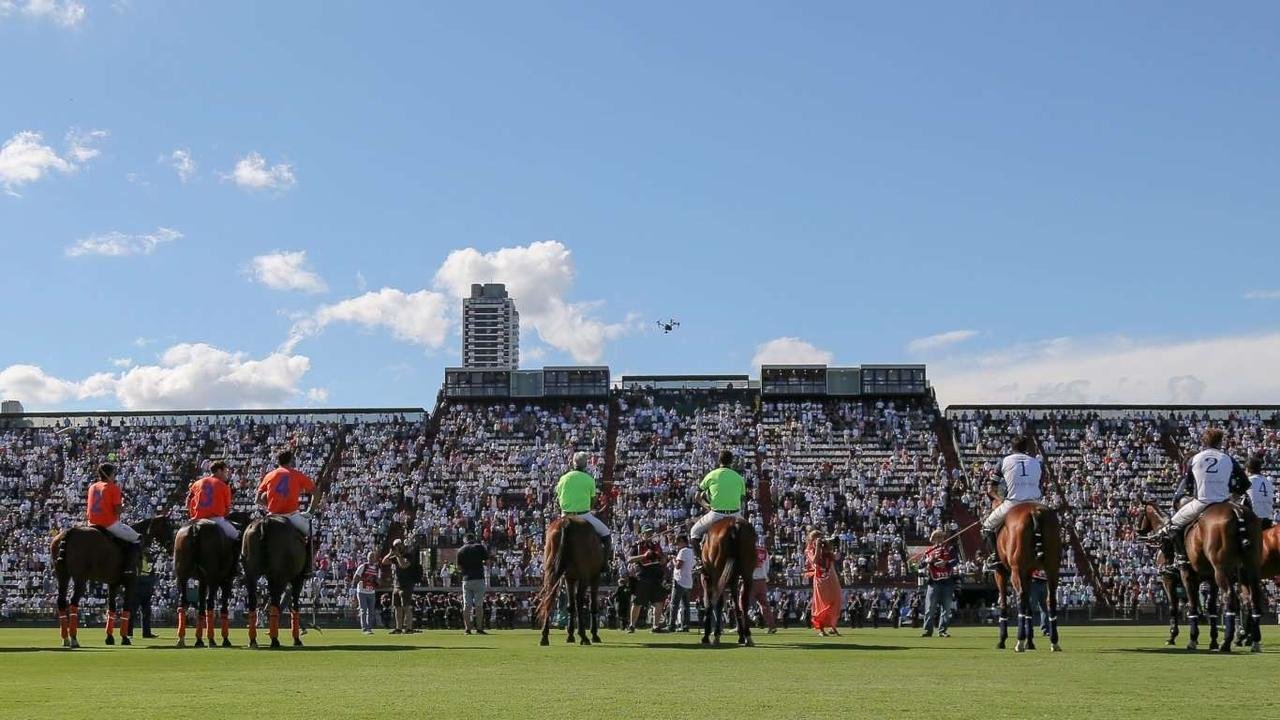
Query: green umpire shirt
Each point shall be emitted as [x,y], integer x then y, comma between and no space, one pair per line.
[725,489]
[575,490]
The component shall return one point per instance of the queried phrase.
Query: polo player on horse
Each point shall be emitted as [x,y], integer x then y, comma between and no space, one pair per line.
[1213,476]
[1020,474]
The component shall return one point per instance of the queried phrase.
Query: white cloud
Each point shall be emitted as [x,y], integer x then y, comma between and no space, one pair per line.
[118,244]
[188,376]
[283,270]
[790,351]
[537,276]
[198,376]
[25,158]
[33,386]
[941,340]
[252,173]
[1229,369]
[318,395]
[1262,295]
[420,318]
[183,163]
[67,13]
[122,362]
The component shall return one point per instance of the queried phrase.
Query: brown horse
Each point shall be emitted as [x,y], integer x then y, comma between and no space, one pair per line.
[1029,540]
[88,553]
[201,550]
[573,554]
[1216,552]
[1269,561]
[272,547]
[728,557]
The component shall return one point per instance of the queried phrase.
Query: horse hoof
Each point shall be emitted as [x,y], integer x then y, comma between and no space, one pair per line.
[1020,647]
[1000,645]
[596,639]
[1031,645]
[124,640]
[111,640]
[1225,649]
[275,643]
[569,639]
[1256,647]
[715,642]
[750,643]
[66,643]
[1170,642]
[226,642]
[706,641]
[253,644]
[584,641]
[181,643]
[74,644]
[1213,646]
[544,642]
[199,643]
[1055,647]
[297,642]
[1193,646]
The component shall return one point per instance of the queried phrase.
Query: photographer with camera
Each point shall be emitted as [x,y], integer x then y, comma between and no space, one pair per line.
[937,567]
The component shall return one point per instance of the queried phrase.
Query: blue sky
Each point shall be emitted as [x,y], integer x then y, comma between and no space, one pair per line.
[1067,204]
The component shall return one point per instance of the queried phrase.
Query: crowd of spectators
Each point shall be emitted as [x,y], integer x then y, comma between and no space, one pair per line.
[869,475]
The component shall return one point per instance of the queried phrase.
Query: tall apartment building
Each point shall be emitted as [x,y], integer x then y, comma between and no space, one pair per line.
[490,328]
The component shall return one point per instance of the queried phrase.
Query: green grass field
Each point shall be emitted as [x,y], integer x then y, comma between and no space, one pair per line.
[1105,672]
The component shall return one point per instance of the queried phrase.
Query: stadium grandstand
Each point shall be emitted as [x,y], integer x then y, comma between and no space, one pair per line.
[863,454]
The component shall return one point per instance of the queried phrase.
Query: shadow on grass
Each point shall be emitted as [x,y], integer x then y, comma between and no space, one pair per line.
[328,648]
[1178,650]
[4,650]
[766,645]
[841,646]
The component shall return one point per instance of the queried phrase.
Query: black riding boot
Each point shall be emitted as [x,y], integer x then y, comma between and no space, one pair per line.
[696,545]
[1179,539]
[989,549]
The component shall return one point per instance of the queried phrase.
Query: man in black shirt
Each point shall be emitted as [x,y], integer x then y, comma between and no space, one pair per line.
[404,575]
[471,561]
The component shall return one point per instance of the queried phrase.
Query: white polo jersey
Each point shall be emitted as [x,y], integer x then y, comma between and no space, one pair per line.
[1262,493]
[1021,474]
[1212,472]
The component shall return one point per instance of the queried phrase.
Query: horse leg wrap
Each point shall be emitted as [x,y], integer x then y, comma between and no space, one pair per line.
[73,619]
[208,624]
[62,624]
[111,623]
[182,623]
[226,626]
[273,626]
[252,619]
[294,625]
[124,622]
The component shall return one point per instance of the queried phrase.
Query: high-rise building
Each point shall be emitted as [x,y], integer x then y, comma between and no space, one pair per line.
[490,328]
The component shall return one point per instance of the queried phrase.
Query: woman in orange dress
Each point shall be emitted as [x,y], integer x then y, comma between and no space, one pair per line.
[820,564]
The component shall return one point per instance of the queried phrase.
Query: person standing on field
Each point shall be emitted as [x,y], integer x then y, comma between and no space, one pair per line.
[471,560]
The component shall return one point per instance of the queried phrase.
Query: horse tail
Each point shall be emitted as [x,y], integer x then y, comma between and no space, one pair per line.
[60,557]
[1037,529]
[557,565]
